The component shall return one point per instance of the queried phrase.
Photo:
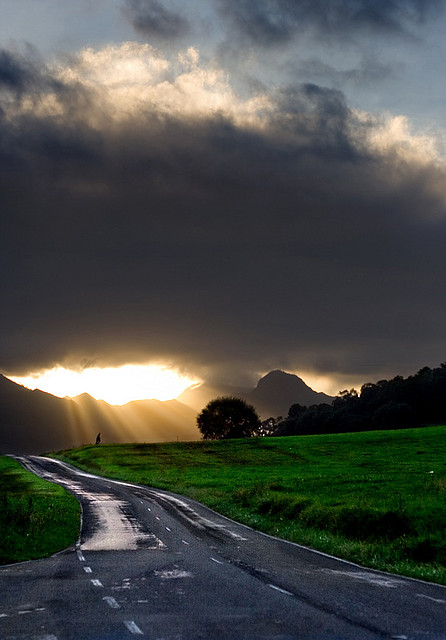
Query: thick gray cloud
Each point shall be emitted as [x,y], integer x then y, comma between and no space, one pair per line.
[23,73]
[277,21]
[219,245]
[154,20]
[368,72]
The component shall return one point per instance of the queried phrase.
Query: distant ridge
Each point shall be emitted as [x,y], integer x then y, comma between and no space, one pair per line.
[34,421]
[198,395]
[37,422]
[272,397]
[277,391]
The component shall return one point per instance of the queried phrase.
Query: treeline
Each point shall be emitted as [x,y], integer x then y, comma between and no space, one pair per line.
[388,404]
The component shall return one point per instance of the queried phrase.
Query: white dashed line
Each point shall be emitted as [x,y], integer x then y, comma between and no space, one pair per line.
[111,602]
[157,517]
[132,627]
[217,561]
[80,556]
[185,542]
[87,570]
[167,529]
[436,600]
[97,583]
[21,613]
[149,509]
[4,615]
[273,586]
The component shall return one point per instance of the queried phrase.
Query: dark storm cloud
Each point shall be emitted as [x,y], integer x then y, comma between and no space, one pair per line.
[151,18]
[13,74]
[369,71]
[20,73]
[25,77]
[222,247]
[277,21]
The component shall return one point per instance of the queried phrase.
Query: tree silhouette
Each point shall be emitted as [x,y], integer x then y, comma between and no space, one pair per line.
[387,404]
[228,417]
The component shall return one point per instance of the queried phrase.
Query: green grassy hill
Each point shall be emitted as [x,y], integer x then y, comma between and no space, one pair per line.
[376,498]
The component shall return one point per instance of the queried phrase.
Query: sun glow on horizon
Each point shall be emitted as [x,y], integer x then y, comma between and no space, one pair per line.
[115,385]
[330,384]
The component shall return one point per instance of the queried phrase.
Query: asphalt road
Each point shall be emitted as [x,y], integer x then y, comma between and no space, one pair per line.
[150,563]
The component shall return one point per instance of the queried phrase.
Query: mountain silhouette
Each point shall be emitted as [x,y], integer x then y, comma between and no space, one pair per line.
[36,422]
[272,397]
[198,395]
[277,391]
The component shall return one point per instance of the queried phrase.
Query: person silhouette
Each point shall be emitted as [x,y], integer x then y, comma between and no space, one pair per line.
[98,438]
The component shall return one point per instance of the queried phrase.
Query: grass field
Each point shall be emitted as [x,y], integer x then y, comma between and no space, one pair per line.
[37,518]
[376,498]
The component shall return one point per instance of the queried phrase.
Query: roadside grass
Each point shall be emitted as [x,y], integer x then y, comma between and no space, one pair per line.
[37,518]
[375,498]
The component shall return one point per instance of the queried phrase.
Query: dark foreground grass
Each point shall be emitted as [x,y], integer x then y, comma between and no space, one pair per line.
[37,518]
[375,498]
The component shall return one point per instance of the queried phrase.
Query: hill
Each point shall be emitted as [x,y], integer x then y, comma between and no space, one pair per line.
[277,391]
[31,421]
[272,397]
[34,421]
[398,403]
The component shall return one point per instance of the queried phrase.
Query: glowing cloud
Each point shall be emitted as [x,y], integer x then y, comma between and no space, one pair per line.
[131,79]
[115,385]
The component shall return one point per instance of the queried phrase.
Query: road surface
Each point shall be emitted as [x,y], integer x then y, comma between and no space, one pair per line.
[150,563]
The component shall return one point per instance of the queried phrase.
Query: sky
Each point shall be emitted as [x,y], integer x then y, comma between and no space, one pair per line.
[223,187]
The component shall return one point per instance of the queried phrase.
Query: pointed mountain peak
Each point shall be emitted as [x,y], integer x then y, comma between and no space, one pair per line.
[278,377]
[278,390]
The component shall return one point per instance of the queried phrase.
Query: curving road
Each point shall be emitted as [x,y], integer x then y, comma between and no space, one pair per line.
[151,563]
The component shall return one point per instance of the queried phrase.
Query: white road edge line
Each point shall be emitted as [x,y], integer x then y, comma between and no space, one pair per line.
[287,593]
[111,602]
[217,561]
[436,600]
[133,627]
[97,583]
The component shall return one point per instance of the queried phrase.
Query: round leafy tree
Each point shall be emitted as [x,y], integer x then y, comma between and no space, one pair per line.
[228,417]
